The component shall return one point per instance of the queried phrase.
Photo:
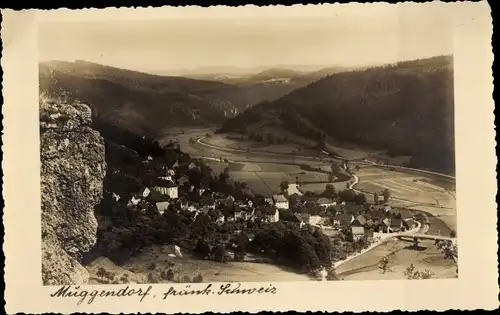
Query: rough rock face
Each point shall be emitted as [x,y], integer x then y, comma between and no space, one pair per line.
[72,172]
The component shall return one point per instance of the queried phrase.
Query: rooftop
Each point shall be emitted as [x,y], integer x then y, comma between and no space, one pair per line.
[279,198]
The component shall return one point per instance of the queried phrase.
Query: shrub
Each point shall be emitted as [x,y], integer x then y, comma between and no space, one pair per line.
[152,266]
[170,275]
[185,279]
[198,278]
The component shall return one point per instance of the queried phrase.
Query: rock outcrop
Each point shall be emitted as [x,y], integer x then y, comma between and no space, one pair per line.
[72,172]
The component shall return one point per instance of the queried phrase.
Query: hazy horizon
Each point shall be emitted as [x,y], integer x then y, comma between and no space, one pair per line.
[349,38]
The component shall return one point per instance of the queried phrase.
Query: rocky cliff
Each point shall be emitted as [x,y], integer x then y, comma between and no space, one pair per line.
[72,172]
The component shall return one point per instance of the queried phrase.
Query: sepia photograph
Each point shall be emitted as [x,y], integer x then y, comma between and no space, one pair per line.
[264,148]
[219,159]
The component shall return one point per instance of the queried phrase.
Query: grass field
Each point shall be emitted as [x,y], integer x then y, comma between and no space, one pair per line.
[265,178]
[139,267]
[401,255]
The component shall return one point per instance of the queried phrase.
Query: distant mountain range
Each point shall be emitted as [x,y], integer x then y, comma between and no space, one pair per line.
[147,103]
[405,108]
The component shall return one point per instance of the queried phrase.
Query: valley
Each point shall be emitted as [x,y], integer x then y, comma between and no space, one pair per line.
[229,144]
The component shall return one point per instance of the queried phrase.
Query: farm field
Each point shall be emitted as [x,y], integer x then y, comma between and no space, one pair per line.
[265,178]
[401,255]
[425,193]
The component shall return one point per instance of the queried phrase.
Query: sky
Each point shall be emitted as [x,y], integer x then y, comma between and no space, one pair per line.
[339,37]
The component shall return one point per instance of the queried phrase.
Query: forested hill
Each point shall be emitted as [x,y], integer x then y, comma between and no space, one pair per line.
[140,102]
[406,108]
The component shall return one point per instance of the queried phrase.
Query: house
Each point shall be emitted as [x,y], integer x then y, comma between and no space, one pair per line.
[219,219]
[315,219]
[268,213]
[249,213]
[171,172]
[162,206]
[396,225]
[208,202]
[239,213]
[183,180]
[382,225]
[166,187]
[269,201]
[204,187]
[304,219]
[359,221]
[343,220]
[358,232]
[387,208]
[184,204]
[192,208]
[166,177]
[176,164]
[325,202]
[280,202]
[192,166]
[409,224]
[369,224]
[378,198]
[116,197]
[369,233]
[133,201]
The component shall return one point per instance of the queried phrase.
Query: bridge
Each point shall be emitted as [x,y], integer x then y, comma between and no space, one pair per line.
[418,236]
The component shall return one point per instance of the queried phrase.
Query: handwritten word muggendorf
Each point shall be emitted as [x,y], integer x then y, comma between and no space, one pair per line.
[68,292]
[224,289]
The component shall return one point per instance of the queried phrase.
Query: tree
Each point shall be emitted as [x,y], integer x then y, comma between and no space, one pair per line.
[387,194]
[384,265]
[219,253]
[101,272]
[330,191]
[453,233]
[202,248]
[347,195]
[360,199]
[375,198]
[284,186]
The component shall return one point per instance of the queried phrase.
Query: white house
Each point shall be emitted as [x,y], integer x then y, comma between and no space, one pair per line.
[166,187]
[315,219]
[162,206]
[358,232]
[325,202]
[272,217]
[145,192]
[134,201]
[171,172]
[280,202]
[166,177]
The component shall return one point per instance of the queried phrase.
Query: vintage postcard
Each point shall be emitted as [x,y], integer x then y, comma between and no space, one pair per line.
[308,158]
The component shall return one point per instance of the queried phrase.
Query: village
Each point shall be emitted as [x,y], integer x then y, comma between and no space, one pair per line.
[332,212]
